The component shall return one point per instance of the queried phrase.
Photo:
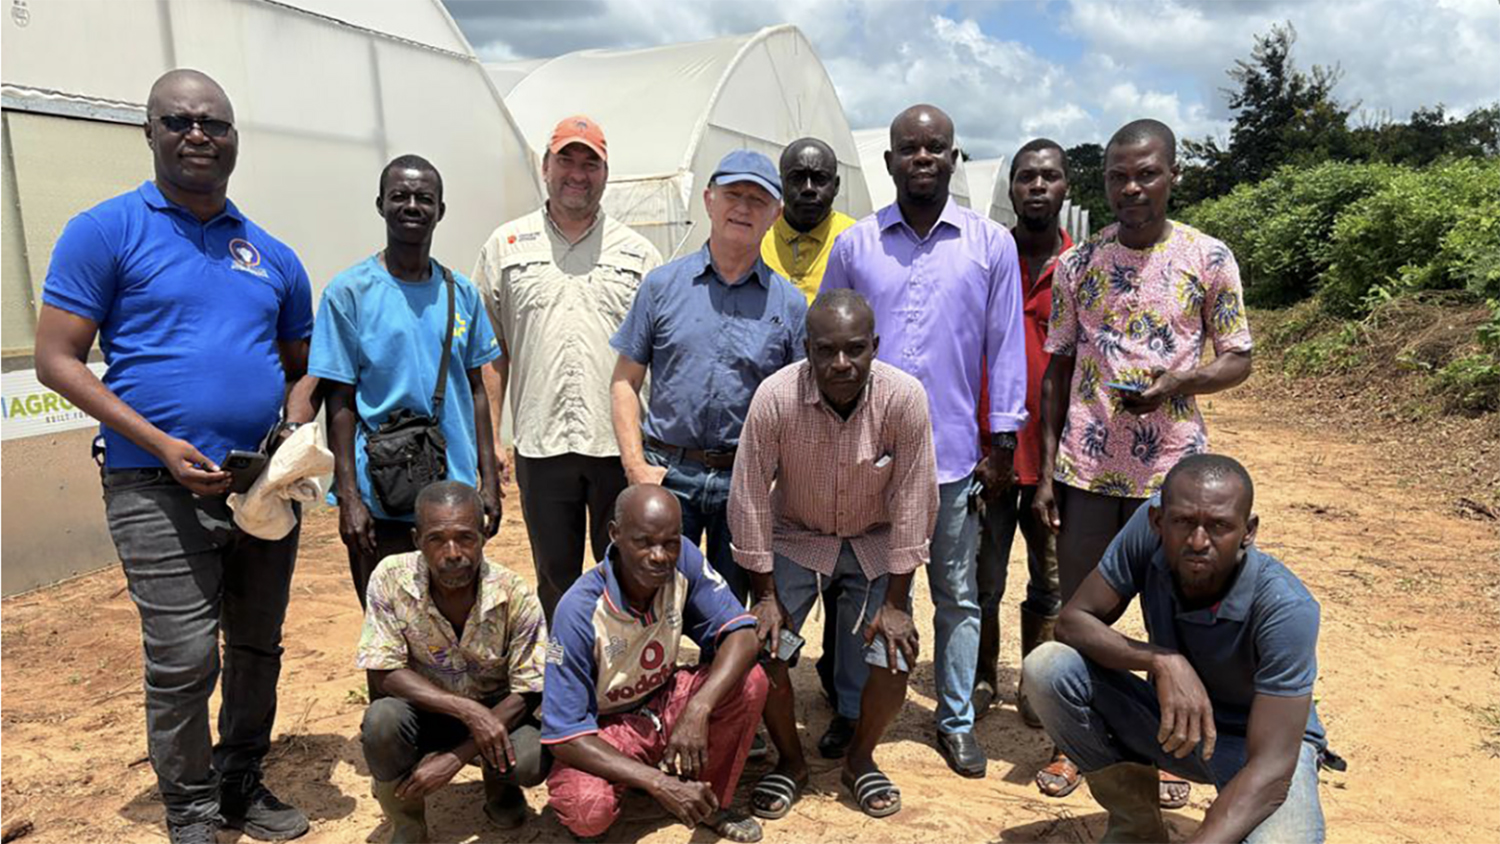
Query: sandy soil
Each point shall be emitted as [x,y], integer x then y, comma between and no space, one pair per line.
[1408,685]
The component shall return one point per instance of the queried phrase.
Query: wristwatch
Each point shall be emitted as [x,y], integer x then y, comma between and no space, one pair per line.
[1003,439]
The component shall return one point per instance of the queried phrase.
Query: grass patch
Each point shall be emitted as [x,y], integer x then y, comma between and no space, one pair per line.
[1488,720]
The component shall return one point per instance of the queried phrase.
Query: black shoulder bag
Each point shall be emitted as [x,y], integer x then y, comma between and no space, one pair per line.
[408,451]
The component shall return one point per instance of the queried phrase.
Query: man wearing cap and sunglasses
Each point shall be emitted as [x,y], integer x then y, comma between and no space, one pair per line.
[710,327]
[557,283]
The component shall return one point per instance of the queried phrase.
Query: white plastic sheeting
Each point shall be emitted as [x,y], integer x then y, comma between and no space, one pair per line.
[873,144]
[671,113]
[325,93]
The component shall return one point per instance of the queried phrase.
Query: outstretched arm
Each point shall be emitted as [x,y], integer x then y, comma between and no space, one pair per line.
[1273,743]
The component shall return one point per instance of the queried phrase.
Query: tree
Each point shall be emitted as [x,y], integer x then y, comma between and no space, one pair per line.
[1086,183]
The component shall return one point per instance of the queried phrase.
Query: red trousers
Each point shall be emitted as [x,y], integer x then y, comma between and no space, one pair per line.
[588,805]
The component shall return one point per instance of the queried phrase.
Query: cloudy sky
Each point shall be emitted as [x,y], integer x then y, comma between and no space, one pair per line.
[1073,70]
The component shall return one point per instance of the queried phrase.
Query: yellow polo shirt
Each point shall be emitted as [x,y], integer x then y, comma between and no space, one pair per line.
[800,257]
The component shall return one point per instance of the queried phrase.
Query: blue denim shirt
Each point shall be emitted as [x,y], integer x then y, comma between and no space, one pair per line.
[708,345]
[1262,638]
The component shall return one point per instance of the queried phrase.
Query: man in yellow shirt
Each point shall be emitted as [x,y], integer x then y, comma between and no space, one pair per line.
[797,246]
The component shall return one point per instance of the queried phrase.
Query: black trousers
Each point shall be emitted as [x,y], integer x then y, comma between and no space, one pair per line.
[559,496]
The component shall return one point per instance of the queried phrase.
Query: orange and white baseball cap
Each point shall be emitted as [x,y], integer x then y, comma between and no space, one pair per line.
[579,129]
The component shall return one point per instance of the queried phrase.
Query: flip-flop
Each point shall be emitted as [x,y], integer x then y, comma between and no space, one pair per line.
[734,826]
[1175,791]
[837,738]
[775,786]
[868,787]
[1062,768]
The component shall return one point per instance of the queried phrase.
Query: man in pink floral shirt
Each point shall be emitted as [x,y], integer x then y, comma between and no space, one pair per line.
[1132,309]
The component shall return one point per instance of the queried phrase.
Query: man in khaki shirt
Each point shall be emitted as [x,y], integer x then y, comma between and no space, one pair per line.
[557,283]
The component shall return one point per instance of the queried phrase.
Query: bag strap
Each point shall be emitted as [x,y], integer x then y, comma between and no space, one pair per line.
[442,383]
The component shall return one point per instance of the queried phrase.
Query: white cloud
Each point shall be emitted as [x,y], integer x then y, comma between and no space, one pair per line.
[1135,58]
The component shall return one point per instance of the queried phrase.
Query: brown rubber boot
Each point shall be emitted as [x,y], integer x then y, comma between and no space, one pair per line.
[504,803]
[1130,794]
[1035,629]
[986,681]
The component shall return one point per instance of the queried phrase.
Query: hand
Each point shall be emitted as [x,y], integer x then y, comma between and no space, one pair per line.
[356,526]
[490,734]
[432,773]
[645,473]
[191,469]
[996,472]
[1044,504]
[1187,717]
[502,464]
[687,749]
[491,496]
[900,634]
[1164,385]
[691,802]
[770,618]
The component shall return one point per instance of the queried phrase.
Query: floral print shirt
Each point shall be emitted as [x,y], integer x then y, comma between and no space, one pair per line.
[1122,313]
[504,644]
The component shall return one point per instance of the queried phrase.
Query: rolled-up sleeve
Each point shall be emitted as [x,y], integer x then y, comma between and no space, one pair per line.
[1005,338]
[751,522]
[913,496]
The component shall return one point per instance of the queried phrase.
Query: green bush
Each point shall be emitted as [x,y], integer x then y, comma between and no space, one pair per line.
[1393,239]
[1280,228]
[1471,249]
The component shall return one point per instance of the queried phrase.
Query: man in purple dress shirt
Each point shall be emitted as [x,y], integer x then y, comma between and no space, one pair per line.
[945,286]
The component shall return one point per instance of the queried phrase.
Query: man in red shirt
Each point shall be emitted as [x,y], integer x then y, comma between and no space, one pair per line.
[1038,186]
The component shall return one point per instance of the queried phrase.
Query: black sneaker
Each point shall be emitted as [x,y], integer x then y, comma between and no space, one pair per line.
[249,806]
[196,832]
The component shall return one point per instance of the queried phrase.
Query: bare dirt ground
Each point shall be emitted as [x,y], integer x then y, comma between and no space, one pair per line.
[1409,684]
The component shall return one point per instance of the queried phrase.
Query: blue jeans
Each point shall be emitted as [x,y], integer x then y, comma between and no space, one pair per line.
[193,574]
[955,598]
[704,496]
[1101,717]
[858,599]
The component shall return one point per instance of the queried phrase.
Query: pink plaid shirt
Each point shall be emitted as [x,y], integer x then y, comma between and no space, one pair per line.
[870,479]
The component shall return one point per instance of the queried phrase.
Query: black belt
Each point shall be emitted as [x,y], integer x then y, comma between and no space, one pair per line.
[717,459]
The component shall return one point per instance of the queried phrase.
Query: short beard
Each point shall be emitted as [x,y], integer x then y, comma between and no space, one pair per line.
[1038,225]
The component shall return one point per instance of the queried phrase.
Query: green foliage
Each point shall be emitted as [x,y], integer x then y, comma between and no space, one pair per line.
[1330,352]
[1086,183]
[1471,384]
[1393,239]
[1280,229]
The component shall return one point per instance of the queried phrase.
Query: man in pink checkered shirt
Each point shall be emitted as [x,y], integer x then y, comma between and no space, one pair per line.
[847,443]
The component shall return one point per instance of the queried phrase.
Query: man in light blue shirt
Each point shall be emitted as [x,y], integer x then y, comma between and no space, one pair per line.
[710,327]
[378,344]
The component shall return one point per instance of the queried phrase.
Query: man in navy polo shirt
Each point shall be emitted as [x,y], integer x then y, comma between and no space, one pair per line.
[1231,656]
[618,712]
[710,327]
[204,322]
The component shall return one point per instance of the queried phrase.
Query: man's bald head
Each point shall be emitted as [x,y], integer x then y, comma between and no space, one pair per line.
[795,148]
[173,85]
[839,307]
[645,503]
[924,116]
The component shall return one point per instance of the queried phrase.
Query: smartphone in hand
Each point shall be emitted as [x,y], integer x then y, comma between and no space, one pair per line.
[1126,388]
[243,468]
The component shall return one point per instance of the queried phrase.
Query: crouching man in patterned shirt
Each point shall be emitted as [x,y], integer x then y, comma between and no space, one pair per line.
[457,643]
[619,713]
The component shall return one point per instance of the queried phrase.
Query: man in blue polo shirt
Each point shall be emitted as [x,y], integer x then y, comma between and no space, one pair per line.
[618,711]
[204,321]
[1231,656]
[710,327]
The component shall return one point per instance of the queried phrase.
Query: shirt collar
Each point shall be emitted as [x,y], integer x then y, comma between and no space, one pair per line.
[819,234]
[703,263]
[552,227]
[154,198]
[1065,244]
[1234,606]
[491,595]
[891,216]
[810,394]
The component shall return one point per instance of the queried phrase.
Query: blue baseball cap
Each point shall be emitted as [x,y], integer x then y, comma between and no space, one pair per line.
[744,165]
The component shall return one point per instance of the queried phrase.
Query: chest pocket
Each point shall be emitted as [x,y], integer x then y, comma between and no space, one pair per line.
[526,276]
[763,345]
[617,277]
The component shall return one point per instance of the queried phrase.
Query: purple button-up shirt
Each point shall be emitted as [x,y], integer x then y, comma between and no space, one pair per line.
[943,304]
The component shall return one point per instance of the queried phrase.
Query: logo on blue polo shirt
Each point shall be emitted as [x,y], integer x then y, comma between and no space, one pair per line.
[246,257]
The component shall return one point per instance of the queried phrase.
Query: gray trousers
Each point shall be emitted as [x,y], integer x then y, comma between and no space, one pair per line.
[1089,523]
[191,572]
[396,735]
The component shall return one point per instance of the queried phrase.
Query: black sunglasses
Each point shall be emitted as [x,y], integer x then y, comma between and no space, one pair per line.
[181,124]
